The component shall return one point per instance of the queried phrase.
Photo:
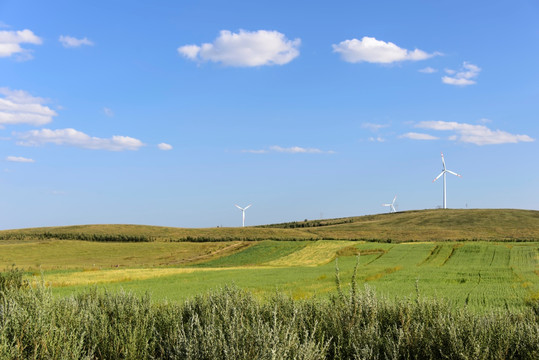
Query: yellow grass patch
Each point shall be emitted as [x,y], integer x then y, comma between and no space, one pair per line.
[121,275]
[318,253]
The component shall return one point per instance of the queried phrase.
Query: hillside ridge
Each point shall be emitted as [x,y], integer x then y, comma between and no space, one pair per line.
[413,225]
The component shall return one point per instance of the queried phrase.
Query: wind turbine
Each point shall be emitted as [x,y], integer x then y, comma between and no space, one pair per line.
[392,205]
[444,171]
[243,213]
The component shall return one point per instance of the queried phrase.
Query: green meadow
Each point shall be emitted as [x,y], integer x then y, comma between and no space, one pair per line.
[480,275]
[481,259]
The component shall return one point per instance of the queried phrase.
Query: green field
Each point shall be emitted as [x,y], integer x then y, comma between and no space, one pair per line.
[494,266]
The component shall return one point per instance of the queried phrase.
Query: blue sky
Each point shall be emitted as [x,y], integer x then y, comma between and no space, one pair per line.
[171,113]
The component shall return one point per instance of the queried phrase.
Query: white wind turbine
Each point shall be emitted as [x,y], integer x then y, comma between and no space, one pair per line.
[243,213]
[392,205]
[444,170]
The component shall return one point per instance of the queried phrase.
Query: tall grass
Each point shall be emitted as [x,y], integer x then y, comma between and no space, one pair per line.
[232,324]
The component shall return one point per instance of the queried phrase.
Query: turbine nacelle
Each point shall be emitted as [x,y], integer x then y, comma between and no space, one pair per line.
[243,213]
[392,205]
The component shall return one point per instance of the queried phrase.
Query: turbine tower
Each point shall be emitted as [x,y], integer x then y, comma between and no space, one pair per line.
[444,171]
[243,213]
[392,205]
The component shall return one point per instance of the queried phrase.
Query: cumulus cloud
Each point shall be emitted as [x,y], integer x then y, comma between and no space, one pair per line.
[72,42]
[377,139]
[475,134]
[19,159]
[463,77]
[19,107]
[245,49]
[369,49]
[427,70]
[418,136]
[164,146]
[72,137]
[374,127]
[289,150]
[10,42]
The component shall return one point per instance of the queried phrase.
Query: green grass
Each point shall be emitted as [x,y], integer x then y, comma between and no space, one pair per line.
[480,275]
[257,254]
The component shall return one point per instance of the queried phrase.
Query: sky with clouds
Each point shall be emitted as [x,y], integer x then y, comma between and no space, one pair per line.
[171,113]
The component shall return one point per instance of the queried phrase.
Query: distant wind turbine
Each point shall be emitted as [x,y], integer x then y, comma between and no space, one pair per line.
[392,205]
[243,213]
[444,170]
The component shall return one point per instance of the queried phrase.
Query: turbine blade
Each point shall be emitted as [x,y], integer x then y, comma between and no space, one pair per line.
[437,177]
[443,161]
[386,204]
[247,207]
[454,173]
[395,198]
[239,207]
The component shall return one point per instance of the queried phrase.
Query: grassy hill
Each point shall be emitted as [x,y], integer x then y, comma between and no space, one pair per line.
[420,225]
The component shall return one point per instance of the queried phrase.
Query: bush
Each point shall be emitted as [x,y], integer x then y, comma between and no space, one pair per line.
[232,324]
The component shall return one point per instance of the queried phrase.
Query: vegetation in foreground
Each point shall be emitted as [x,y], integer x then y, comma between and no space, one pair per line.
[232,324]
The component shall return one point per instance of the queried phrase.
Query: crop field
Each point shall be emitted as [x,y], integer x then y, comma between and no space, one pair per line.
[494,265]
[481,275]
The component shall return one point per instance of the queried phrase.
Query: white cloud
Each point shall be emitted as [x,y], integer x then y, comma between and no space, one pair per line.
[374,127]
[475,134]
[376,51]
[108,112]
[10,42]
[427,70]
[255,151]
[245,49]
[298,150]
[19,107]
[19,159]
[164,146]
[72,42]
[3,25]
[76,138]
[377,139]
[289,150]
[418,136]
[464,76]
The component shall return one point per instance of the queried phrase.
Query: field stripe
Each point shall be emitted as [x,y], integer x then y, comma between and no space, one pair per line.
[318,253]
[123,275]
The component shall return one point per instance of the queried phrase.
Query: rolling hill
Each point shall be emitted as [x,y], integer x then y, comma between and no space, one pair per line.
[406,226]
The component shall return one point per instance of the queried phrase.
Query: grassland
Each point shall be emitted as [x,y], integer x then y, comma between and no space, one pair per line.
[492,262]
[481,275]
[423,225]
